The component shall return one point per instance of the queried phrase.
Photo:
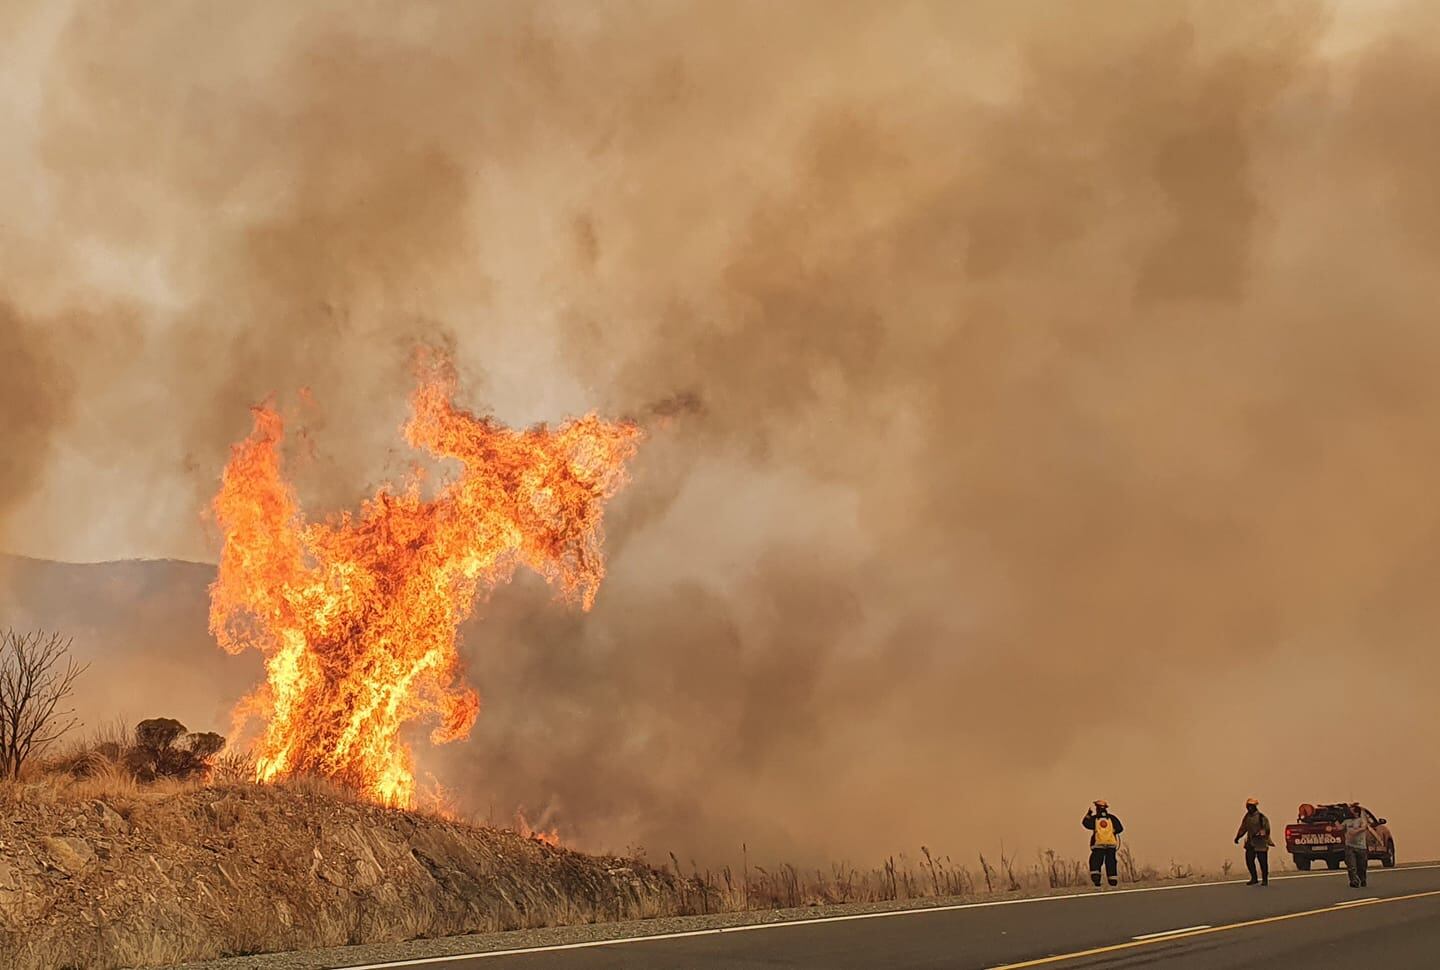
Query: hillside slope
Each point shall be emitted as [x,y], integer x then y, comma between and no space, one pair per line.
[99,878]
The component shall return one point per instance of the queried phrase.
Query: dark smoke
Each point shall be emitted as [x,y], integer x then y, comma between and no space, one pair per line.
[1049,387]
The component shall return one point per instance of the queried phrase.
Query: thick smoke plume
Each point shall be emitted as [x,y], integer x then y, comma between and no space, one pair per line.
[1049,387]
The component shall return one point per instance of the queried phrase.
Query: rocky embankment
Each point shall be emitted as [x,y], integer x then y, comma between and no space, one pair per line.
[102,880]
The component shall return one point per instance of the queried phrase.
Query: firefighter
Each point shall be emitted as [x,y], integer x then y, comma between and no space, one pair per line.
[1255,830]
[1105,832]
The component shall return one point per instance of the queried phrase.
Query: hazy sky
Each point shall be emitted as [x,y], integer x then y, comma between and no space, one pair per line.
[1066,375]
[147,157]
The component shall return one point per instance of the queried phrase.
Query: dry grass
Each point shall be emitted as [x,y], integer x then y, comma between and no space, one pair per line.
[108,783]
[307,863]
[92,769]
[87,770]
[898,878]
[233,767]
[194,870]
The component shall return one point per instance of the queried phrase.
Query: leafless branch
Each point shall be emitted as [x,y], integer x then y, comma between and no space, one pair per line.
[37,677]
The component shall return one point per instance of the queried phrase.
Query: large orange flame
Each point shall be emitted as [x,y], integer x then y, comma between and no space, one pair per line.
[357,615]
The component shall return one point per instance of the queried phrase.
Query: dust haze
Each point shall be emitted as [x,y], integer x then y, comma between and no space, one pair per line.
[1058,380]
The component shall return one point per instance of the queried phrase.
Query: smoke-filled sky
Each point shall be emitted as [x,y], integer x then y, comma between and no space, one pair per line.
[1065,382]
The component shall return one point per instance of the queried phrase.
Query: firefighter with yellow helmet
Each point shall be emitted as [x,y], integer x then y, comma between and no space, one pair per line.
[1105,832]
[1255,830]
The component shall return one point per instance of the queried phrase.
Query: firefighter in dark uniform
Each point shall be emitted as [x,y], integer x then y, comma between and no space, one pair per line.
[1105,832]
[1255,830]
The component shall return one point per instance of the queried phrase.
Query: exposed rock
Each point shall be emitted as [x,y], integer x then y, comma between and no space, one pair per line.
[365,873]
[69,854]
[18,906]
[225,812]
[110,820]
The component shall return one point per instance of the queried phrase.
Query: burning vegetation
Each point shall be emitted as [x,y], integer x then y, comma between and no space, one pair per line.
[357,615]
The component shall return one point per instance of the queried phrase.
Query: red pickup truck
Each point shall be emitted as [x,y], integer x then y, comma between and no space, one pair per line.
[1319,833]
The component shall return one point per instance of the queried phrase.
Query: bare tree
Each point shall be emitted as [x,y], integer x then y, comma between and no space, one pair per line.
[37,676]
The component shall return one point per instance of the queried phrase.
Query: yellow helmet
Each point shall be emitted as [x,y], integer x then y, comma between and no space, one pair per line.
[1251,801]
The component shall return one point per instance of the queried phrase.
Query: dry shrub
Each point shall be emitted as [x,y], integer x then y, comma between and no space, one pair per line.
[164,748]
[233,768]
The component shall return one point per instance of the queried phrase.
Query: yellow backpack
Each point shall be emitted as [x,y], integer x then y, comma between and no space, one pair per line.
[1105,837]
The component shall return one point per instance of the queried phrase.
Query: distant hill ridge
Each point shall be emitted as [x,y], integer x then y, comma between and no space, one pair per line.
[142,625]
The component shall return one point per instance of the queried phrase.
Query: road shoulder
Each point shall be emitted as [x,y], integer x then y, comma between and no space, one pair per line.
[380,953]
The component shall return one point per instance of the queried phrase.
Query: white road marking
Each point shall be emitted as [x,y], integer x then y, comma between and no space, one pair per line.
[780,924]
[1357,902]
[1183,929]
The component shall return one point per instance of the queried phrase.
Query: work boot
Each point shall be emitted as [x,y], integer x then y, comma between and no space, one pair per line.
[1114,883]
[1265,881]
[1253,882]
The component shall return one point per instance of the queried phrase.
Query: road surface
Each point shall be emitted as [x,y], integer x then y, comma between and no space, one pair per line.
[1314,920]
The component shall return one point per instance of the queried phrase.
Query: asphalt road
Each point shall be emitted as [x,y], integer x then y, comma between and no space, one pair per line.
[1313,920]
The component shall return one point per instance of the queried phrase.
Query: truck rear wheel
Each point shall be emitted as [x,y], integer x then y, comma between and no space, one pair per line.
[1302,862]
[1388,861]
[1333,862]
